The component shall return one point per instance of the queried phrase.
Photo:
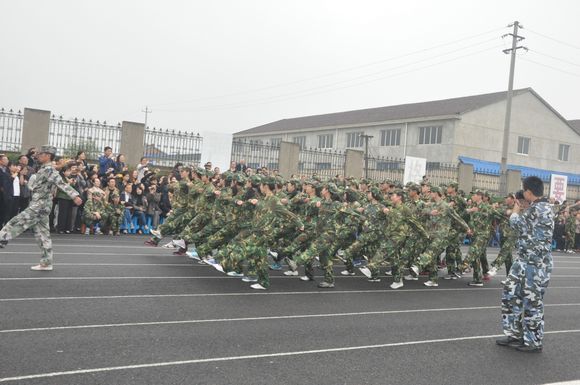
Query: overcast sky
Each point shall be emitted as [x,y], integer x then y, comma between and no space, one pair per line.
[226,66]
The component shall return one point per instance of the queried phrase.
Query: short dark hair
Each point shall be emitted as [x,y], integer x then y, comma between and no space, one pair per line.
[534,185]
[108,148]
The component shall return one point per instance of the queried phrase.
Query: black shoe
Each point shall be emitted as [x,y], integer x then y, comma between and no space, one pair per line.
[3,244]
[529,349]
[510,342]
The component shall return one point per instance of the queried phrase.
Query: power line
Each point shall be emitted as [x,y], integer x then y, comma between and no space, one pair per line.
[554,39]
[551,67]
[307,92]
[555,58]
[349,69]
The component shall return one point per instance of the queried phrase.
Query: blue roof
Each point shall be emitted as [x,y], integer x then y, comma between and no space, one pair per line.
[493,168]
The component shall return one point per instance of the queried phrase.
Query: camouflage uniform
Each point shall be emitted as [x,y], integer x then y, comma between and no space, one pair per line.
[114,217]
[91,207]
[416,244]
[268,212]
[453,256]
[479,223]
[35,216]
[569,232]
[438,228]
[507,241]
[522,298]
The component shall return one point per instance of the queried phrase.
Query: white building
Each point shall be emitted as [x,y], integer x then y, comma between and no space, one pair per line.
[442,131]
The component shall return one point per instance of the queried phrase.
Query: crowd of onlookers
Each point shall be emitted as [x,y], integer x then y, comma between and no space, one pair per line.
[143,194]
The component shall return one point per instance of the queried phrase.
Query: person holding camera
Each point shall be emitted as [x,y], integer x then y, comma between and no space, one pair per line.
[522,304]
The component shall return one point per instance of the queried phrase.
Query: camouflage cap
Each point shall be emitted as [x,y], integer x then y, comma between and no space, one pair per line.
[239,178]
[366,181]
[114,195]
[296,182]
[96,193]
[377,194]
[455,185]
[256,179]
[399,192]
[331,187]
[47,149]
[436,189]
[310,181]
[268,180]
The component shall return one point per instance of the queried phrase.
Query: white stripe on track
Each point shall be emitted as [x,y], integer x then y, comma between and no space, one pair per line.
[97,254]
[258,356]
[260,293]
[196,277]
[84,245]
[323,315]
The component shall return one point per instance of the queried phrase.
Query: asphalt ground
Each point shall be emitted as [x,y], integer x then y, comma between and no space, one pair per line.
[117,312]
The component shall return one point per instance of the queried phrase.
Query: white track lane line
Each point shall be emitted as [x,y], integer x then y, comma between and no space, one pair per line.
[168,278]
[323,315]
[258,356]
[253,293]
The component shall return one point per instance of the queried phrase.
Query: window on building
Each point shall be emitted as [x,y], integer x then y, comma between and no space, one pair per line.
[325,141]
[300,140]
[391,137]
[382,166]
[430,135]
[275,142]
[563,151]
[523,145]
[354,139]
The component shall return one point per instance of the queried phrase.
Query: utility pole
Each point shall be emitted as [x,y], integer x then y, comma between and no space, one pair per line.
[508,111]
[147,111]
[366,138]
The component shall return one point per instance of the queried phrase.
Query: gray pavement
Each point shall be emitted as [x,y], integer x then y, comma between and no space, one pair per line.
[116,312]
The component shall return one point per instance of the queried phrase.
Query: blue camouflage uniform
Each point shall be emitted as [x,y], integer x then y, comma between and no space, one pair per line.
[522,298]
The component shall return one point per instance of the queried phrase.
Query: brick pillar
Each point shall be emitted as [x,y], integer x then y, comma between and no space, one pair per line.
[288,159]
[354,164]
[132,139]
[514,181]
[465,177]
[34,128]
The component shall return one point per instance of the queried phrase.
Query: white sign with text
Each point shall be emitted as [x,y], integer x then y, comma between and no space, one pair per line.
[558,187]
[415,169]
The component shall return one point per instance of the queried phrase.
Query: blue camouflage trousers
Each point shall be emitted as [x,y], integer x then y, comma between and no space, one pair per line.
[522,303]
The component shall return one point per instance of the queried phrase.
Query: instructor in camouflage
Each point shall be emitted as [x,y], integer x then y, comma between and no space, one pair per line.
[35,216]
[522,305]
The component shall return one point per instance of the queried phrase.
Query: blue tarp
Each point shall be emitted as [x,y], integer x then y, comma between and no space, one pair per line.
[492,168]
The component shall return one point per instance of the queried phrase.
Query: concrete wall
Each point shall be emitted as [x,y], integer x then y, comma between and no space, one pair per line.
[479,134]
[34,128]
[132,139]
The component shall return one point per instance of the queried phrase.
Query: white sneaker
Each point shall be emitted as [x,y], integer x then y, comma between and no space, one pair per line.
[180,243]
[305,278]
[156,233]
[409,277]
[257,286]
[291,273]
[273,253]
[88,231]
[41,268]
[218,267]
[492,272]
[366,271]
[396,285]
[430,284]
[389,273]
[169,245]
[234,274]
[415,269]
[346,272]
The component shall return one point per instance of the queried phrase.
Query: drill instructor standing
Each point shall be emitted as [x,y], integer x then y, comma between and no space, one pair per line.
[35,216]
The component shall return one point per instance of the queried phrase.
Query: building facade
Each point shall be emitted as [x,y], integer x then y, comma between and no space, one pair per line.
[441,131]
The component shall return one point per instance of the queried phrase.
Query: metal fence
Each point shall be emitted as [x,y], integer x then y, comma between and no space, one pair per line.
[70,136]
[256,154]
[324,163]
[167,147]
[384,168]
[10,130]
